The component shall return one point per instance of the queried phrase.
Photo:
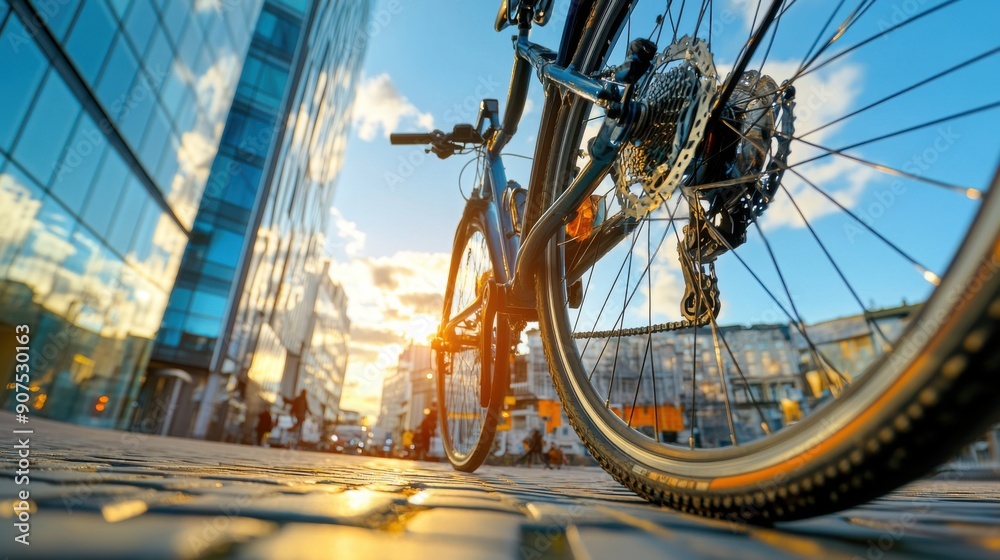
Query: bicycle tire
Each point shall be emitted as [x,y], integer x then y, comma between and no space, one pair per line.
[912,409]
[468,429]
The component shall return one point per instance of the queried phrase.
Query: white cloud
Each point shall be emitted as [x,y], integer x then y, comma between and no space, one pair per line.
[390,302]
[201,6]
[378,104]
[196,154]
[529,106]
[350,237]
[214,87]
[748,9]
[843,180]
[820,97]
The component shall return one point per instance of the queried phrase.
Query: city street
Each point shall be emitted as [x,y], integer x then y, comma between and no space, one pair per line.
[105,494]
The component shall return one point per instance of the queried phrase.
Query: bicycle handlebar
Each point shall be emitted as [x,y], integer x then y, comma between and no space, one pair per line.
[407,138]
[443,145]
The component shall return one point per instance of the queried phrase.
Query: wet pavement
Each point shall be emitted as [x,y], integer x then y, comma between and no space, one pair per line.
[104,494]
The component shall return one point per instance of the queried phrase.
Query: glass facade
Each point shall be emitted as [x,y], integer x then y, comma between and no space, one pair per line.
[323,364]
[112,115]
[240,316]
[286,268]
[195,317]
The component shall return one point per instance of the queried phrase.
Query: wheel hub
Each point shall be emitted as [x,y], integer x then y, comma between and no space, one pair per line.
[748,151]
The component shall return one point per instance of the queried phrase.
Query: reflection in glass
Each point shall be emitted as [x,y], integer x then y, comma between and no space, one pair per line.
[25,61]
[105,192]
[47,129]
[89,263]
[90,38]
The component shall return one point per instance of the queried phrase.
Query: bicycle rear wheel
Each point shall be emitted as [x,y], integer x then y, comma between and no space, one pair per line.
[848,221]
[467,424]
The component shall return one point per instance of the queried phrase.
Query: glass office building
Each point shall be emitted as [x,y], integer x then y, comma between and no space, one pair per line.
[286,268]
[112,114]
[160,140]
[239,318]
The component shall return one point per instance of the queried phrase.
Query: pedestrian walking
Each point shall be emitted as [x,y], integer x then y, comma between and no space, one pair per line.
[535,443]
[299,407]
[555,456]
[265,423]
[423,435]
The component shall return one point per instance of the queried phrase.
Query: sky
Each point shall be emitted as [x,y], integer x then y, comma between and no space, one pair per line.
[396,207]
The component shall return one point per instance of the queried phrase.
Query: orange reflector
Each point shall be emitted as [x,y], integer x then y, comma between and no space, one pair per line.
[582,225]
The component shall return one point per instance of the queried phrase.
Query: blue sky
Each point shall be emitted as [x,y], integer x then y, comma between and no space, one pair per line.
[428,67]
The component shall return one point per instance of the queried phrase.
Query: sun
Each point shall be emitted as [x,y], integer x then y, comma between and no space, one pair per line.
[421,328]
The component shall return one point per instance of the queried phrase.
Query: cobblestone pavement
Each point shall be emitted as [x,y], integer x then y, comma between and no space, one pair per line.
[105,494]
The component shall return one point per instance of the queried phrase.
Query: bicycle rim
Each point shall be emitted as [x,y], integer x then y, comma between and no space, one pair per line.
[653,405]
[467,428]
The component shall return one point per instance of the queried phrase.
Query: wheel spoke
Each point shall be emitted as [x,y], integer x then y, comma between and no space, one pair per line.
[905,90]
[882,33]
[968,192]
[819,36]
[820,363]
[618,342]
[900,132]
[722,379]
[851,19]
[742,61]
[611,289]
[925,272]
[843,277]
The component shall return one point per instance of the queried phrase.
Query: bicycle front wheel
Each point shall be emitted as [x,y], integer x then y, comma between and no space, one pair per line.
[790,306]
[475,357]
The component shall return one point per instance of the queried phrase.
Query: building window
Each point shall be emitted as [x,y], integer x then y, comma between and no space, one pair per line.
[90,38]
[48,127]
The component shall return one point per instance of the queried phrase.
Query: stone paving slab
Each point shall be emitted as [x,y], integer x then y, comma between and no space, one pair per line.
[489,528]
[58,535]
[106,494]
[311,542]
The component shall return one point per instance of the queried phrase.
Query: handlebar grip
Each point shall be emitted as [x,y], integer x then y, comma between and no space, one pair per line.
[405,138]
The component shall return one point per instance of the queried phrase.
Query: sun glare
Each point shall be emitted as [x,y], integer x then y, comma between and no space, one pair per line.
[421,329]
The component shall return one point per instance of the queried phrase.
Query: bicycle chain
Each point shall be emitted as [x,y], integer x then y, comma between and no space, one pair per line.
[639,331]
[651,329]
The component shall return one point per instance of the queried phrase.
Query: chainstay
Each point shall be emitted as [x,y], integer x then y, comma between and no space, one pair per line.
[639,331]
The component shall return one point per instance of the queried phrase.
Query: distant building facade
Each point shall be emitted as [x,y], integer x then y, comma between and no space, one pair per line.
[323,364]
[408,394]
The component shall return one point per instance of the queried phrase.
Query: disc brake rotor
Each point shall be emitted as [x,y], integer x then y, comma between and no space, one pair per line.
[676,100]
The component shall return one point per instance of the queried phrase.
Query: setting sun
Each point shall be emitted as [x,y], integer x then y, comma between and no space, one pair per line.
[421,329]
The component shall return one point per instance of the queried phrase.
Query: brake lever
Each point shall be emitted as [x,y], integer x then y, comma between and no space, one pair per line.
[443,149]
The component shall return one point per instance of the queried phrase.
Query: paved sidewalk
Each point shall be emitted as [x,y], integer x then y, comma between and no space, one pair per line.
[104,494]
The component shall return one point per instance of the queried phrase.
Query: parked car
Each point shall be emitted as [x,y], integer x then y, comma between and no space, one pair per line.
[349,439]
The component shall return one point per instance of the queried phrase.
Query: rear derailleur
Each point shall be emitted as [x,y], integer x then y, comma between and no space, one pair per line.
[698,251]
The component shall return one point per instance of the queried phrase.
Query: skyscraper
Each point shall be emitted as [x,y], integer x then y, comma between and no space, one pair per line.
[147,142]
[240,316]
[112,112]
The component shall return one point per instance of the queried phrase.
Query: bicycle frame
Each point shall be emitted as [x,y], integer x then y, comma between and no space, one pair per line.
[512,259]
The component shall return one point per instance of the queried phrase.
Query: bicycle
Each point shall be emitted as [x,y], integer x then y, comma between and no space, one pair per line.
[770,419]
